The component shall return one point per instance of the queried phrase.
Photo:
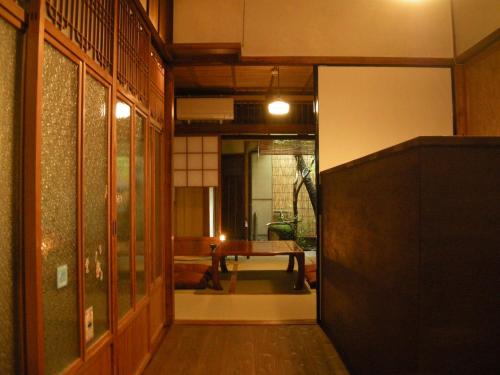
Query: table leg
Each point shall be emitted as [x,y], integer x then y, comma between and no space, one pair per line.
[223,266]
[291,262]
[301,274]
[215,272]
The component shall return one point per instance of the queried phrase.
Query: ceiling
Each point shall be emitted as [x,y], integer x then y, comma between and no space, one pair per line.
[241,80]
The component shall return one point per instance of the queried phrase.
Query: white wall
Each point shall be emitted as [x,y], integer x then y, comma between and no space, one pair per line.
[208,21]
[366,109]
[473,20]
[375,28]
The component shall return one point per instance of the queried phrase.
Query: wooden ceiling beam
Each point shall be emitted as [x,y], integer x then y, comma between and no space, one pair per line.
[205,53]
[233,72]
[228,91]
[194,77]
[243,129]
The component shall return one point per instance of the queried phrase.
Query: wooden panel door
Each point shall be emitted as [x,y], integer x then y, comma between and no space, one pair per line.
[233,196]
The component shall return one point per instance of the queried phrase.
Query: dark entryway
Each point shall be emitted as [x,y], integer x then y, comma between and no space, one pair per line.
[233,196]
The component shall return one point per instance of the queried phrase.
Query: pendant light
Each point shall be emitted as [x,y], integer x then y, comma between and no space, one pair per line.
[277,106]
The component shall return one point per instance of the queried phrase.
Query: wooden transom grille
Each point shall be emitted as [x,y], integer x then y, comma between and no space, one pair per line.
[88,23]
[157,89]
[133,52]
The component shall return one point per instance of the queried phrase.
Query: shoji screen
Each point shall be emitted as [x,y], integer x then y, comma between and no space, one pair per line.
[9,194]
[196,161]
[366,109]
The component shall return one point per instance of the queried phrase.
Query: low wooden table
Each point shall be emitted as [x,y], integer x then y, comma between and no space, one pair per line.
[258,248]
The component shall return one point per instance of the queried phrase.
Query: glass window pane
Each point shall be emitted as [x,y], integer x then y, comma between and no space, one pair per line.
[95,214]
[9,193]
[158,222]
[140,212]
[59,210]
[123,138]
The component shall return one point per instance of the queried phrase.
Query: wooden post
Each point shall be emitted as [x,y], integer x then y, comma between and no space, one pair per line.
[34,334]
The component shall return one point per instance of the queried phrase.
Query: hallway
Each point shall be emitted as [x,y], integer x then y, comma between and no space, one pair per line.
[246,350]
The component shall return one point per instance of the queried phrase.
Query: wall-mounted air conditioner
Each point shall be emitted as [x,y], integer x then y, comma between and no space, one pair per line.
[220,109]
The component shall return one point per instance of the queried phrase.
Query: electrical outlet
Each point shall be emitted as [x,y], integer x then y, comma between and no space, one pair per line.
[62,276]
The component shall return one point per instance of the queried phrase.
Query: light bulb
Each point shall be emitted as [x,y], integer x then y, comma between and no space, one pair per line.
[278,107]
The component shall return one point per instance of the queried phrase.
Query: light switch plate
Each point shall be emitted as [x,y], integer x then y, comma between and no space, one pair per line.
[89,324]
[62,276]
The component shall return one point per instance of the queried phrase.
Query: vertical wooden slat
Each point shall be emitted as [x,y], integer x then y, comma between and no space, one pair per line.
[169,272]
[79,220]
[112,177]
[31,189]
[90,24]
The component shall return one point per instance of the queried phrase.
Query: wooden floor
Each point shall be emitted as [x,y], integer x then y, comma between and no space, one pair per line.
[246,350]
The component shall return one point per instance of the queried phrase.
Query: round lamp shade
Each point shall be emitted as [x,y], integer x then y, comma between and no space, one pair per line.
[278,107]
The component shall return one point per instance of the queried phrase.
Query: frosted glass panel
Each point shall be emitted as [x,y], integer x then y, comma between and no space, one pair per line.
[180,178]
[210,161]
[179,145]
[59,209]
[210,178]
[194,144]
[195,178]
[123,138]
[140,177]
[194,161]
[179,161]
[210,144]
[9,194]
[95,215]
[158,210]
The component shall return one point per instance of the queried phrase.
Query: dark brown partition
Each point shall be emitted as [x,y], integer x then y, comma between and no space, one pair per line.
[410,264]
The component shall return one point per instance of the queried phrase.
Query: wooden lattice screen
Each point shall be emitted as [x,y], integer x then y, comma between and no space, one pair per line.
[133,52]
[157,89]
[89,23]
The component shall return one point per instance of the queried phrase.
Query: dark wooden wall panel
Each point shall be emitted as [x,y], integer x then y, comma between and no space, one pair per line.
[460,260]
[410,260]
[369,262]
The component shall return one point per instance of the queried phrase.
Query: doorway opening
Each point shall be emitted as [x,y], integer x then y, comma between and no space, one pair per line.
[245,209]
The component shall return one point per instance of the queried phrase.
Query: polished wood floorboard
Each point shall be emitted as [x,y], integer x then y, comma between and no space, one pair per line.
[246,350]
